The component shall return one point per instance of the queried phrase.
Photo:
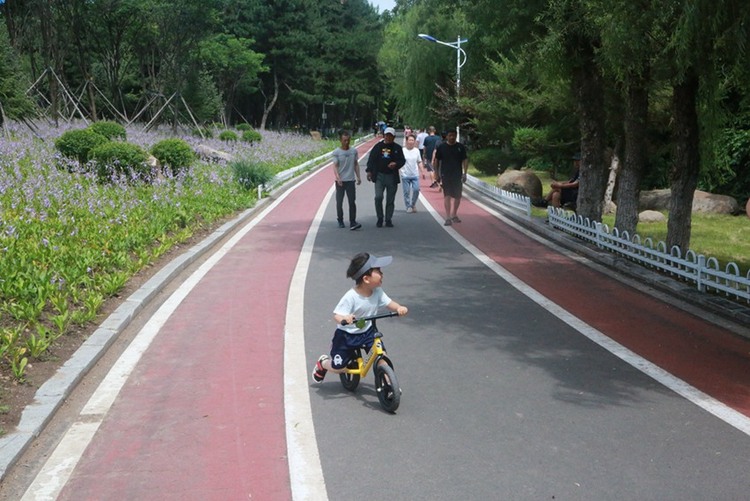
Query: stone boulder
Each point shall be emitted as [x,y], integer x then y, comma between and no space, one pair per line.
[212,155]
[651,216]
[704,202]
[714,204]
[520,181]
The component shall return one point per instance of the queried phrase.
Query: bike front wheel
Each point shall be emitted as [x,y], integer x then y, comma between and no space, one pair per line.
[387,388]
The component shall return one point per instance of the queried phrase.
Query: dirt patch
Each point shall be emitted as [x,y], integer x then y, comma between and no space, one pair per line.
[15,396]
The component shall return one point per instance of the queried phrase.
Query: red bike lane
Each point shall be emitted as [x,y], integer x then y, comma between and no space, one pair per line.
[202,415]
[694,350]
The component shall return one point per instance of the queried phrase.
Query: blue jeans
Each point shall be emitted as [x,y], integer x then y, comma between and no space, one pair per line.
[411,191]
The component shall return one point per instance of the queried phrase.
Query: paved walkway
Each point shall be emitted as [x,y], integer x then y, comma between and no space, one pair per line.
[196,410]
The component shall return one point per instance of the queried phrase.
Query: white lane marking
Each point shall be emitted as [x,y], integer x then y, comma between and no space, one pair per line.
[682,388]
[305,469]
[57,469]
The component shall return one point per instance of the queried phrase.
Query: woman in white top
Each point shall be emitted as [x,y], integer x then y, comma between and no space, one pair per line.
[410,173]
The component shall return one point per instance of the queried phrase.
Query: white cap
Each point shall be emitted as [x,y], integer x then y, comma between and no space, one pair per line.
[389,130]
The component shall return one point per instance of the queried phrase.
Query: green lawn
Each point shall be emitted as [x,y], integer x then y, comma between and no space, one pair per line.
[726,238]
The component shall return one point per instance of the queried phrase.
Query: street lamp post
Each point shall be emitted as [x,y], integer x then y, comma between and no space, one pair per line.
[460,61]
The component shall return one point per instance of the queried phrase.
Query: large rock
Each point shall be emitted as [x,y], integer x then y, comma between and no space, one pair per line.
[212,155]
[658,200]
[651,216]
[714,204]
[520,181]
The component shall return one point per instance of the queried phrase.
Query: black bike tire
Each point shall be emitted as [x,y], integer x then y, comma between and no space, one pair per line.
[350,381]
[389,400]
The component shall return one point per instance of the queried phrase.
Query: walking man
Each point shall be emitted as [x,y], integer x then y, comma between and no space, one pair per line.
[346,170]
[452,163]
[386,158]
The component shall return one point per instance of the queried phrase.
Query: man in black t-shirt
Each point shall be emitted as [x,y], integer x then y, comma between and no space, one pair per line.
[451,164]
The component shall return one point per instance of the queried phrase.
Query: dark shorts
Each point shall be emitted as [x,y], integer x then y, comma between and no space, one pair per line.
[452,187]
[344,346]
[568,195]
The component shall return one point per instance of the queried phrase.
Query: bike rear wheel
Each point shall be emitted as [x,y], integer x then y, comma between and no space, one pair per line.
[350,381]
[387,388]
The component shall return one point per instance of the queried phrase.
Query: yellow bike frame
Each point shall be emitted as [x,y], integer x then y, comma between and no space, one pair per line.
[364,364]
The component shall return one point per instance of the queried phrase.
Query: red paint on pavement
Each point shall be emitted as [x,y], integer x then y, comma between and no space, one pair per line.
[202,415]
[700,353]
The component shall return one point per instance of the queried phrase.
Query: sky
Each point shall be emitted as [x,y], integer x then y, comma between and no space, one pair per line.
[384,4]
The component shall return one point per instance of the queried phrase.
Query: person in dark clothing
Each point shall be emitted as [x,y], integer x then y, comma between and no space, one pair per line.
[451,164]
[386,158]
[430,143]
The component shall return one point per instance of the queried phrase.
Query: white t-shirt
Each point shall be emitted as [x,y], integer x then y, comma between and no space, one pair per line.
[420,139]
[352,303]
[411,167]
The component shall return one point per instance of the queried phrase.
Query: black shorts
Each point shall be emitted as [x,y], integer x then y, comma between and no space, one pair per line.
[344,346]
[453,187]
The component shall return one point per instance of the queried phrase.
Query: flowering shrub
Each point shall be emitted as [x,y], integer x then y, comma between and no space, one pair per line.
[110,130]
[174,155]
[251,136]
[228,135]
[68,242]
[115,159]
[77,143]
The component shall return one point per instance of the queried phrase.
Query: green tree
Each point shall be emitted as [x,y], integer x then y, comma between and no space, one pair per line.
[233,65]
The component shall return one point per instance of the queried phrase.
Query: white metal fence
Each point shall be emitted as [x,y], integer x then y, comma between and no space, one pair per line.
[514,200]
[703,271]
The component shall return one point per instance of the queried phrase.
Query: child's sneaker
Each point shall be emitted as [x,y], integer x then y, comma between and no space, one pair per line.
[319,373]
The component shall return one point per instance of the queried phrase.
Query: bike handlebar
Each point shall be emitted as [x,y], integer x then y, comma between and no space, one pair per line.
[374,317]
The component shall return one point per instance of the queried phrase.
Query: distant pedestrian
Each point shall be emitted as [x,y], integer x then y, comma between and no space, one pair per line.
[386,158]
[410,174]
[407,132]
[346,174]
[421,135]
[430,143]
[451,165]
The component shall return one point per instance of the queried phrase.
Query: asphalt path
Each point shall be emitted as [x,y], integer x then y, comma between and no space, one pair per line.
[517,383]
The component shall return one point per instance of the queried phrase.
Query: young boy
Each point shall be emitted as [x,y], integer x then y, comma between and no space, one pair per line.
[365,299]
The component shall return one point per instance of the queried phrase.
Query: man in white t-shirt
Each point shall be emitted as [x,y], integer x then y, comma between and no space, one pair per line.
[410,173]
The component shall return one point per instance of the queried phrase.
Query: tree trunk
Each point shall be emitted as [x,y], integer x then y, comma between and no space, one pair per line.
[267,109]
[684,175]
[589,93]
[628,189]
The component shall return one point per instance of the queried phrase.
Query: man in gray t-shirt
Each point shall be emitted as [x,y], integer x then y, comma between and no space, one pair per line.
[346,173]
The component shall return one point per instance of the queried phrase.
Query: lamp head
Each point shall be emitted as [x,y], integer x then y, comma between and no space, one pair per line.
[429,38]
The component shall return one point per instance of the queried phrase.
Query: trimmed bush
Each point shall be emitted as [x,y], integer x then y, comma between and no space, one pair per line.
[116,157]
[78,143]
[491,161]
[243,127]
[228,135]
[174,155]
[250,175]
[251,136]
[110,130]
